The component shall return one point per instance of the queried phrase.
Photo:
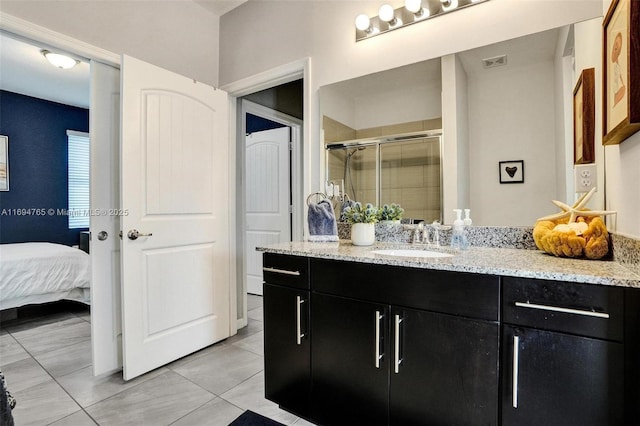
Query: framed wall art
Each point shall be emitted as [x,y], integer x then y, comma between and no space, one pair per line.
[511,171]
[4,163]
[584,117]
[621,71]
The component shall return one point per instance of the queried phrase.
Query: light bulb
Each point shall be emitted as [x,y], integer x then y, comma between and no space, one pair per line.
[413,6]
[386,13]
[448,5]
[363,23]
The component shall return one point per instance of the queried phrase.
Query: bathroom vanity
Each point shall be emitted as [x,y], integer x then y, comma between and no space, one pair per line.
[488,336]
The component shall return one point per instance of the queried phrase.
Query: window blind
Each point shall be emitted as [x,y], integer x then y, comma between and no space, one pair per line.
[79,179]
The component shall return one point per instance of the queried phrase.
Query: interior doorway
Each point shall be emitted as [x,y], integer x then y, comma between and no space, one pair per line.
[270,141]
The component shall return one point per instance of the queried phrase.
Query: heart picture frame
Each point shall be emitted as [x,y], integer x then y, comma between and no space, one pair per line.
[511,171]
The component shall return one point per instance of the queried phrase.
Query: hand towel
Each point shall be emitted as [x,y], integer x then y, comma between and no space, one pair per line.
[322,222]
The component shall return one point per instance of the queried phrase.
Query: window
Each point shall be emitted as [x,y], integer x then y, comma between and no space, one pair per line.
[78,211]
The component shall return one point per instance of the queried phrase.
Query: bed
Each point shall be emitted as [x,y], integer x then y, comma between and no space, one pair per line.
[43,272]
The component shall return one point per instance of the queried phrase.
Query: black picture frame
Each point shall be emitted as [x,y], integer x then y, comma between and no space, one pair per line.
[511,171]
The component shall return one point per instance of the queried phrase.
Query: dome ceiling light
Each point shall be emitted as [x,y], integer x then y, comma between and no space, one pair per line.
[59,60]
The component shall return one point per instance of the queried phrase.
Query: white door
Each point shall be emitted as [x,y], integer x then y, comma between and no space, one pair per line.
[268,220]
[104,117]
[175,180]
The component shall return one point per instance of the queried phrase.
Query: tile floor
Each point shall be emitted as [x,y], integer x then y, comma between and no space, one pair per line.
[46,359]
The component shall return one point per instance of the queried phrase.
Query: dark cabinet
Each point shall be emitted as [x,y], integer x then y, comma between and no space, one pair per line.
[380,363]
[367,344]
[350,354]
[563,357]
[287,347]
[554,378]
[444,371]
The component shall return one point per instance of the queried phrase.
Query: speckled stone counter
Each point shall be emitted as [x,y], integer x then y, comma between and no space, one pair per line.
[480,260]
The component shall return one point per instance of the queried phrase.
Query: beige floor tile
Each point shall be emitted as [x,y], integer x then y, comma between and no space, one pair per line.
[87,389]
[54,336]
[159,401]
[256,314]
[42,404]
[67,359]
[24,374]
[217,412]
[253,302]
[10,350]
[249,395]
[253,343]
[79,418]
[222,370]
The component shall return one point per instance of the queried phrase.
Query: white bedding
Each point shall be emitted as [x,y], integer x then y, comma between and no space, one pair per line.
[42,272]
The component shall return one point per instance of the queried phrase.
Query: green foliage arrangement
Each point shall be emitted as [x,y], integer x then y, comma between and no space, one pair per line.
[359,214]
[390,212]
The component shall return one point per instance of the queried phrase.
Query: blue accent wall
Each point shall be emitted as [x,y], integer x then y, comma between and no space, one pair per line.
[258,124]
[37,131]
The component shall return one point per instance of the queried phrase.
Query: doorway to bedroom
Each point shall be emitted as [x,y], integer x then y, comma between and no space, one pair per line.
[44,202]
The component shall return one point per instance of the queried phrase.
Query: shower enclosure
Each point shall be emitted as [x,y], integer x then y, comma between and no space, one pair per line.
[403,169]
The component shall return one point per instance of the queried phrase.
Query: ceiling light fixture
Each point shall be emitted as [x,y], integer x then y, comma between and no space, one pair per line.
[58,60]
[389,19]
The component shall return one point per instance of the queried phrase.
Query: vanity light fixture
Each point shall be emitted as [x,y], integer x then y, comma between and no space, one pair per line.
[58,60]
[413,11]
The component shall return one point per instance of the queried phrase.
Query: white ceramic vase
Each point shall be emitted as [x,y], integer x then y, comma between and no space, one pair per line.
[363,234]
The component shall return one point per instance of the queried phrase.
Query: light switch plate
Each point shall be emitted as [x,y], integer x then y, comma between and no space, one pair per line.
[585,177]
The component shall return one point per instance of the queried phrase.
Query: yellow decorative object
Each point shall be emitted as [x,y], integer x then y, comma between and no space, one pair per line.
[574,232]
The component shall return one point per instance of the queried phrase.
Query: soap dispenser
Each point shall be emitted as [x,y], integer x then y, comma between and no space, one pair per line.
[458,238]
[467,217]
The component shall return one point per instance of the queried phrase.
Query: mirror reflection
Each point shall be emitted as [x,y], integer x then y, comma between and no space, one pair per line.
[401,169]
[511,102]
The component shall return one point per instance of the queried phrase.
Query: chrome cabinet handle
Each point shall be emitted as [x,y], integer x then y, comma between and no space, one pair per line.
[134,234]
[515,368]
[564,310]
[299,333]
[281,271]
[397,360]
[378,354]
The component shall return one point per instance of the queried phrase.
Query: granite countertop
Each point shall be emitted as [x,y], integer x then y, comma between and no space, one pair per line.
[479,260]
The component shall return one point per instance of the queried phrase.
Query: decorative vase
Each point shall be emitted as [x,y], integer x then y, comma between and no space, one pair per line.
[363,234]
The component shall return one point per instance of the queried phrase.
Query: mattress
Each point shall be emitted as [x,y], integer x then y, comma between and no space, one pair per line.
[42,272]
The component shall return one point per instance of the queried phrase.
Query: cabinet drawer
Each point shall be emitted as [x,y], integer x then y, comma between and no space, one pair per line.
[456,293]
[582,309]
[290,271]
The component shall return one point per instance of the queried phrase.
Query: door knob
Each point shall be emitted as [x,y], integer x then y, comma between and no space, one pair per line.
[103,235]
[133,234]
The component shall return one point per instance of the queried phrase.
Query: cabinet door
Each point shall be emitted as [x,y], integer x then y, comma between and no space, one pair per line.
[350,359]
[444,370]
[287,348]
[553,378]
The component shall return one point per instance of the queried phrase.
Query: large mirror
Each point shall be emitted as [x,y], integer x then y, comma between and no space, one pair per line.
[514,102]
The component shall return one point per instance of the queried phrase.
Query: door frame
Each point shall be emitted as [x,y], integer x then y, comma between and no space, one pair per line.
[295,124]
[300,69]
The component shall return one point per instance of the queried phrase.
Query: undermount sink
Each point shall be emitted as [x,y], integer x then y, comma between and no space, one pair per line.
[411,253]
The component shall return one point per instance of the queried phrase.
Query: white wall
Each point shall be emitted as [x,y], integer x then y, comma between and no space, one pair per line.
[622,175]
[259,36]
[400,106]
[180,36]
[514,119]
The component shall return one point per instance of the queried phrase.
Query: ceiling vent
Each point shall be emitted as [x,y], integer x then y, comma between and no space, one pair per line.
[496,61]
